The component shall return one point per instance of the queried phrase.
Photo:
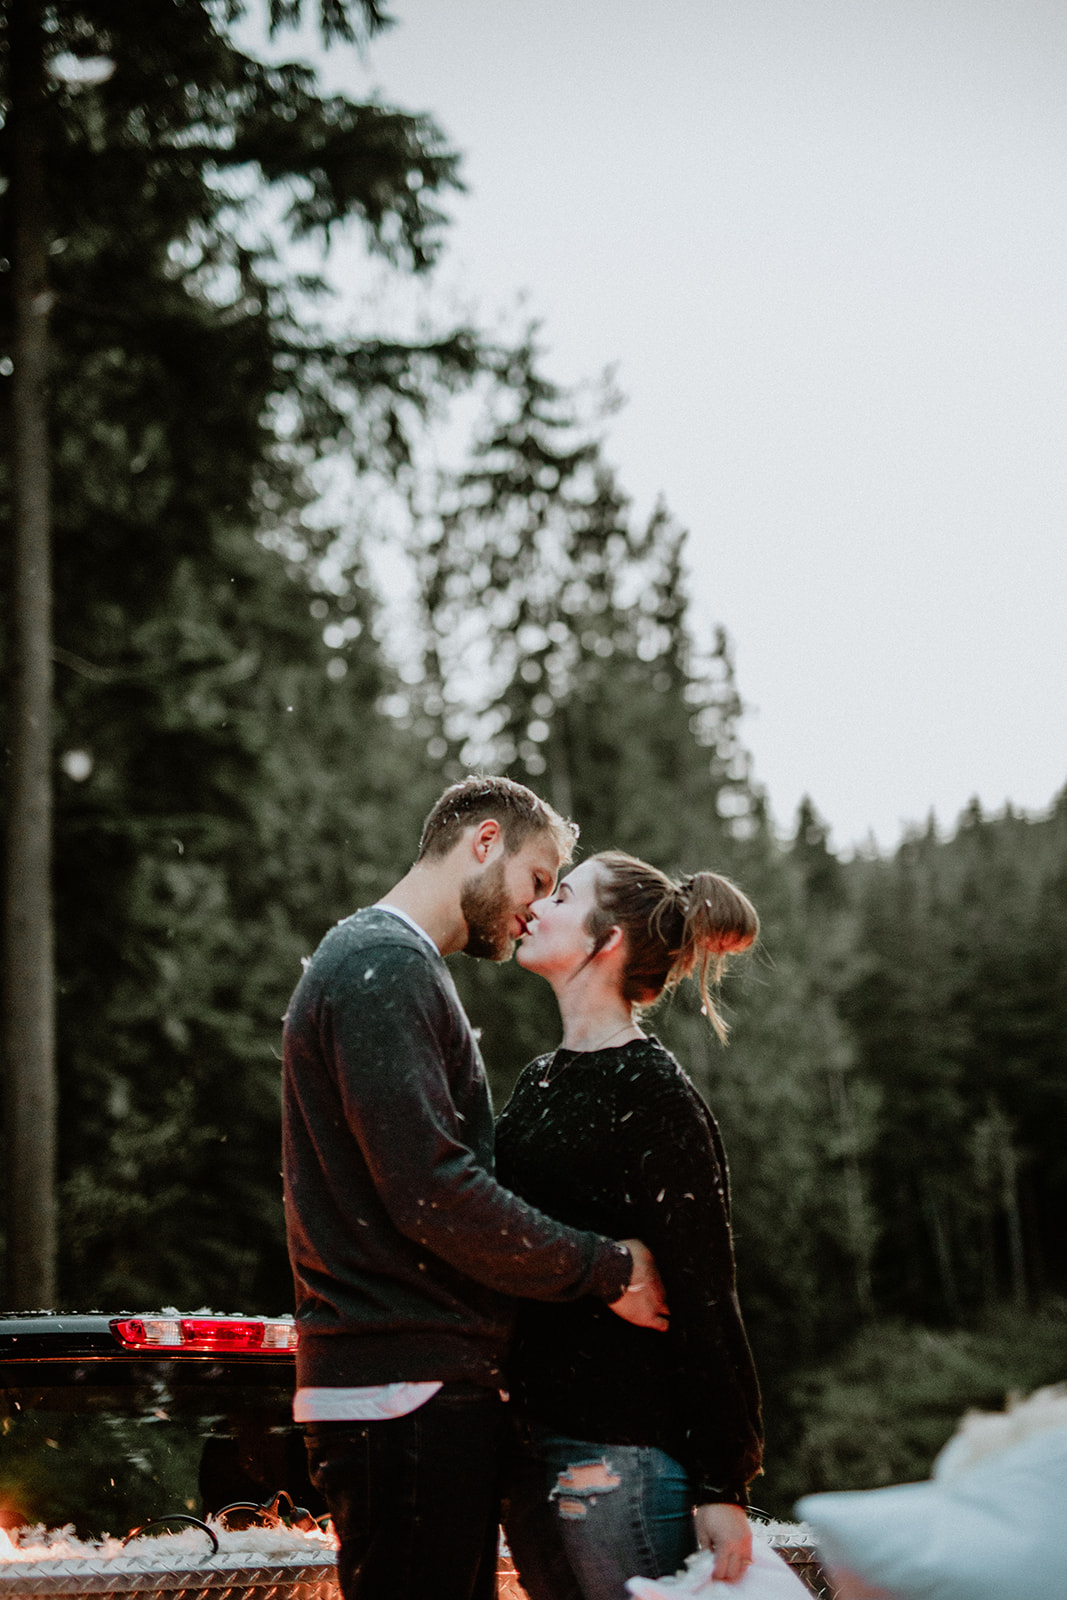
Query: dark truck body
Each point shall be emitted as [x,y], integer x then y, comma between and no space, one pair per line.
[107,1421]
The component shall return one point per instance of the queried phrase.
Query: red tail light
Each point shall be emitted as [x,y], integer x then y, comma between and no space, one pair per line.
[205,1334]
[208,1335]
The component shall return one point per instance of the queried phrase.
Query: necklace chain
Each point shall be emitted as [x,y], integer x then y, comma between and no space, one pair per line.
[544,1082]
[589,1048]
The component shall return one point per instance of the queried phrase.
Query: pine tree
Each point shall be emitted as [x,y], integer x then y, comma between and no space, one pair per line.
[558,651]
[225,778]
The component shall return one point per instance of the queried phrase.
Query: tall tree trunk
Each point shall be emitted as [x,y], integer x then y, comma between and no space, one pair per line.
[935,1219]
[29,1003]
[1009,1173]
[857,1208]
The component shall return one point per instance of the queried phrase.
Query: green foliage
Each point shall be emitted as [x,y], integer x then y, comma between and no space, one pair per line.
[240,800]
[957,1015]
[335,17]
[557,650]
[881,1411]
[799,1120]
[558,644]
[227,782]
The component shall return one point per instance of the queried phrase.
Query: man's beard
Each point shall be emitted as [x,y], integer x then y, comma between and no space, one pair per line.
[484,904]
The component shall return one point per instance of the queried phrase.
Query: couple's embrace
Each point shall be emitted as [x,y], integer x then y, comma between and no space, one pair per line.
[577,1256]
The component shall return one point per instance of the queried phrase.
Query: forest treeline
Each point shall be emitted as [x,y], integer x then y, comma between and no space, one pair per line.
[247,736]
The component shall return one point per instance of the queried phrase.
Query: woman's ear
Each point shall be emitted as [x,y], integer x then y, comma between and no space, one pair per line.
[608,942]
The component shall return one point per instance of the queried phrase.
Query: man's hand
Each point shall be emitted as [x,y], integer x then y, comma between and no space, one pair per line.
[724,1528]
[642,1302]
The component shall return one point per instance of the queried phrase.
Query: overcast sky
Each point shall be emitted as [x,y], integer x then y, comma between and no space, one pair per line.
[824,242]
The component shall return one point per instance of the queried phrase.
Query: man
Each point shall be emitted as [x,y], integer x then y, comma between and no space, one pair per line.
[405,1250]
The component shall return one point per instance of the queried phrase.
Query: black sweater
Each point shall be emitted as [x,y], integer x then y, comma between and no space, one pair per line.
[619,1140]
[405,1249]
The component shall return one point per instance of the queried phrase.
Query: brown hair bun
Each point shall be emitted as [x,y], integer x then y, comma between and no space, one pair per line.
[673,930]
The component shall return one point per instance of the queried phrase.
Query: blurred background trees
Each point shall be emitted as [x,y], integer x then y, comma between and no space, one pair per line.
[190,393]
[248,727]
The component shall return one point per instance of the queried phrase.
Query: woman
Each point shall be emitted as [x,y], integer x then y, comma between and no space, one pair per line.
[620,1431]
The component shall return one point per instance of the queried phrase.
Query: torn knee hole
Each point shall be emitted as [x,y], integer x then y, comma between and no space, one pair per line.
[579,1484]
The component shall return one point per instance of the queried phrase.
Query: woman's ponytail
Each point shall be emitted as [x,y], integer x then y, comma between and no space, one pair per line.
[673,930]
[718,921]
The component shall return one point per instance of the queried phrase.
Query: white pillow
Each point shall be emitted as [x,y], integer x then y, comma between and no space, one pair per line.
[996,1529]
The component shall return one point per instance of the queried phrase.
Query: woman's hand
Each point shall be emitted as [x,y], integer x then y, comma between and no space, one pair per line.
[724,1528]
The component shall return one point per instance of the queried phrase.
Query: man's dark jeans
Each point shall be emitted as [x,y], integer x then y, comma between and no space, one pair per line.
[414,1499]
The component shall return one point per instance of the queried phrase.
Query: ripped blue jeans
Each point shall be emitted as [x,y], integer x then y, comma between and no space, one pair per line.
[582,1517]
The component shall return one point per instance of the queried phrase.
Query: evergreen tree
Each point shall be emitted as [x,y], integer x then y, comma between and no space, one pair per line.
[953,1012]
[558,651]
[227,781]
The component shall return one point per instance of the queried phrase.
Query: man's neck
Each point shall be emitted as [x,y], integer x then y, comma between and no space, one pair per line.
[426,894]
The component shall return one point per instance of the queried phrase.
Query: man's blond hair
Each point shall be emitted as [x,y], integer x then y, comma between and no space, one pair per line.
[519,811]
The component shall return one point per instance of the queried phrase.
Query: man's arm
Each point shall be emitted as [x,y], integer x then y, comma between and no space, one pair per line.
[383,1031]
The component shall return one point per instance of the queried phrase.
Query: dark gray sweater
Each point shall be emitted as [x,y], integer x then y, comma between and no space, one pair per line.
[405,1250]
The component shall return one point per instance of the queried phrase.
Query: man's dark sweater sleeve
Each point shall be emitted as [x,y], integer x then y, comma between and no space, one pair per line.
[383,1034]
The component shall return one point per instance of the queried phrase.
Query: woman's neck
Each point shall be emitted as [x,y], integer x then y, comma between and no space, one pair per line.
[592,1020]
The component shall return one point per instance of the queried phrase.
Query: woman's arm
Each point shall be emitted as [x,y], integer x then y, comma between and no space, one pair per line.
[669,1146]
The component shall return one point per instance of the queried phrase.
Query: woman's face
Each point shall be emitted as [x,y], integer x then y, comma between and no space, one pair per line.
[556,942]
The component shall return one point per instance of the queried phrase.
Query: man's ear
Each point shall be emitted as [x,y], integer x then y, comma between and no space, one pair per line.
[486,835]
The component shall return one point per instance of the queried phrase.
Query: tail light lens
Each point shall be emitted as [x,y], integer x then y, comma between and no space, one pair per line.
[204,1334]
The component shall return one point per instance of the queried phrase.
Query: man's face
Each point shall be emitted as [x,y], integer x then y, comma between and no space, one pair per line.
[496,901]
